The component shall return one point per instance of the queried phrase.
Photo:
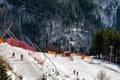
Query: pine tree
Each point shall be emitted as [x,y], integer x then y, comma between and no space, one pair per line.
[101,42]
[97,43]
[3,74]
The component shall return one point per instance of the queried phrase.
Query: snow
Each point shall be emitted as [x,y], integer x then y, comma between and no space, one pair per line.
[30,69]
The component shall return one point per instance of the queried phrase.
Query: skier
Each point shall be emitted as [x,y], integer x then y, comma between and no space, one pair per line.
[77,73]
[78,78]
[74,71]
[13,55]
[21,57]
[57,73]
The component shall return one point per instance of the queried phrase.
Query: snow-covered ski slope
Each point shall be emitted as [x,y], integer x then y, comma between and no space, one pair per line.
[29,68]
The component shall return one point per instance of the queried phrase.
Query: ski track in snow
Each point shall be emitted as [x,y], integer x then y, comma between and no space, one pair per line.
[29,69]
[25,67]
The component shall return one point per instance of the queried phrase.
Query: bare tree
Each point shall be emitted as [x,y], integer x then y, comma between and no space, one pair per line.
[102,76]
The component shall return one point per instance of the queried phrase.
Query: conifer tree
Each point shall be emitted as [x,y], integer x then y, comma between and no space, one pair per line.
[3,74]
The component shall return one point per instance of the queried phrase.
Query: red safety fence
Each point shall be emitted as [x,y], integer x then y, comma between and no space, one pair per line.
[1,41]
[19,43]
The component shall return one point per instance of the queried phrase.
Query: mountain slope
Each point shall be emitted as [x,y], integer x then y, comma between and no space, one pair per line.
[53,19]
[29,68]
[65,24]
[108,9]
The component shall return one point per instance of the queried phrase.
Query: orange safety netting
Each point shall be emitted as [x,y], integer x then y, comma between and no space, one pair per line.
[19,43]
[83,56]
[1,41]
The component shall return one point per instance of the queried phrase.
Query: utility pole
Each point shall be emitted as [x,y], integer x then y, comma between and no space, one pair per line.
[6,31]
[111,48]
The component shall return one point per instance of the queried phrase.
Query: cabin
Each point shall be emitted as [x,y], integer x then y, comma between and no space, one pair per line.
[67,53]
[52,52]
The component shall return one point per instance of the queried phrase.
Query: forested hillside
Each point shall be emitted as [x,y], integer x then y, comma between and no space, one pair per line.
[60,21]
[106,45]
[52,18]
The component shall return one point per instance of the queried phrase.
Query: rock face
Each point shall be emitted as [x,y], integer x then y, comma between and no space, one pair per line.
[68,24]
[108,9]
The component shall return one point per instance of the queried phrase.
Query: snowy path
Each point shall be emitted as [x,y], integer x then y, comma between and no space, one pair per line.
[112,71]
[86,70]
[29,69]
[26,68]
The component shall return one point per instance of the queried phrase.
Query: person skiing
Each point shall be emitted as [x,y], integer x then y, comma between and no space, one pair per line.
[74,72]
[78,78]
[57,73]
[77,73]
[13,55]
[21,57]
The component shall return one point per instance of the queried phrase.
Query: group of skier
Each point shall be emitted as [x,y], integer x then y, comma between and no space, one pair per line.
[76,73]
[21,56]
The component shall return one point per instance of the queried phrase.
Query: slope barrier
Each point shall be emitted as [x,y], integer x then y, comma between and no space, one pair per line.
[19,43]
